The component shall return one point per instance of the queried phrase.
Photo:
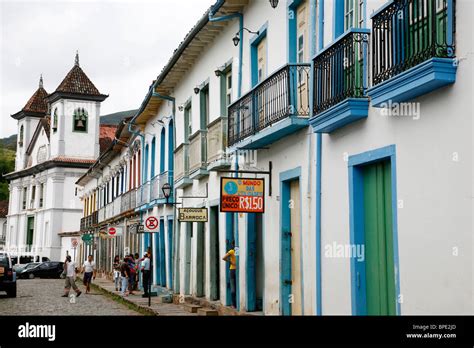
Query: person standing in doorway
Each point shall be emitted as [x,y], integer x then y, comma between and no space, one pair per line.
[89,270]
[230,257]
[71,270]
[125,274]
[145,264]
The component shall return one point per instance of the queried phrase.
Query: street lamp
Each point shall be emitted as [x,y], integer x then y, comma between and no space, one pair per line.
[274,3]
[236,38]
[196,90]
[166,188]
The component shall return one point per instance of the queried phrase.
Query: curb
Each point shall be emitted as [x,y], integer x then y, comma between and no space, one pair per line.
[118,298]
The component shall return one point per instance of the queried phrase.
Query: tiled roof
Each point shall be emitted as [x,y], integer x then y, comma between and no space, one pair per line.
[46,123]
[37,103]
[77,82]
[107,136]
[3,209]
[71,160]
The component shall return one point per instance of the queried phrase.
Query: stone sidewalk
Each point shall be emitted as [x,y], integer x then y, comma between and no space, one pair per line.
[156,308]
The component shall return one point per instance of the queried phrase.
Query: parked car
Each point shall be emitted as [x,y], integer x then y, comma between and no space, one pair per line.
[20,267]
[7,275]
[28,259]
[43,270]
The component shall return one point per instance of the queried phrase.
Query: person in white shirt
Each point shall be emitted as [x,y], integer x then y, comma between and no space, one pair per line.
[89,270]
[145,265]
[70,269]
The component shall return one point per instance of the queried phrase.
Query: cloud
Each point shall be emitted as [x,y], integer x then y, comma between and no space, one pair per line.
[123,45]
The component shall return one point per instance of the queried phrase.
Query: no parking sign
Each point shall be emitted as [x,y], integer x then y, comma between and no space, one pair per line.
[152,224]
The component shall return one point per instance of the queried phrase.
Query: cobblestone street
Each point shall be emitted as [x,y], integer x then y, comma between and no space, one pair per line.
[43,297]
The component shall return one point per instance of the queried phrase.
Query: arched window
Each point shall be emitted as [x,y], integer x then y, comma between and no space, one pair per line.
[55,120]
[20,141]
[80,120]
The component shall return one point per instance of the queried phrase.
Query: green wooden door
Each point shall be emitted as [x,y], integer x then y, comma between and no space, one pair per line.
[380,277]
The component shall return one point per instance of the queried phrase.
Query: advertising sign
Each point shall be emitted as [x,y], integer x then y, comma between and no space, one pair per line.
[192,214]
[242,195]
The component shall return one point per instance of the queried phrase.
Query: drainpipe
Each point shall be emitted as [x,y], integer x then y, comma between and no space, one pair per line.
[239,94]
[319,145]
[173,100]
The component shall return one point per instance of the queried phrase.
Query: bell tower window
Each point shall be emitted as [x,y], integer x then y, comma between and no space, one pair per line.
[80,120]
[55,120]
[20,141]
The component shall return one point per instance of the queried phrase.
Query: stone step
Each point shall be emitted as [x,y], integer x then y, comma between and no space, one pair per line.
[208,312]
[166,298]
[190,307]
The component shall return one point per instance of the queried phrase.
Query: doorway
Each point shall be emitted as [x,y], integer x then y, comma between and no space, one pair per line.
[30,230]
[215,257]
[291,281]
[255,263]
[200,260]
[162,254]
[375,276]
[187,257]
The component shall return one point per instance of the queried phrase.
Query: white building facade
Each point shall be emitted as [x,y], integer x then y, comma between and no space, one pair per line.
[44,205]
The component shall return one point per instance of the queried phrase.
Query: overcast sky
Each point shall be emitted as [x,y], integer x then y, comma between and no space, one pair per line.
[123,45]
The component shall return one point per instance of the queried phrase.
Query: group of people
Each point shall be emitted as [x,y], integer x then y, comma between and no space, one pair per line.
[71,270]
[127,273]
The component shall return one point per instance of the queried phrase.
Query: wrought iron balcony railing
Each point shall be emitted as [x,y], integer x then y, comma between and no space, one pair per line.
[283,94]
[409,32]
[89,221]
[340,71]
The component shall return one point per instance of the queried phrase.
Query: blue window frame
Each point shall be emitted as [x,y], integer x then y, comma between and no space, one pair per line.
[162,150]
[254,42]
[153,156]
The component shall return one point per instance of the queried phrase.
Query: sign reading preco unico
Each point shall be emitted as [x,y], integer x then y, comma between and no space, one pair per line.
[242,195]
[192,214]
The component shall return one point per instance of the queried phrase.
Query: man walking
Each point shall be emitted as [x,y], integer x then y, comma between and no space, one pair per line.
[89,270]
[71,270]
[145,264]
[125,273]
[230,257]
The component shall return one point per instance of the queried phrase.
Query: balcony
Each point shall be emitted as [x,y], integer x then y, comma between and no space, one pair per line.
[275,108]
[101,214]
[413,50]
[198,155]
[128,201]
[143,194]
[181,166]
[109,211]
[340,82]
[90,221]
[217,144]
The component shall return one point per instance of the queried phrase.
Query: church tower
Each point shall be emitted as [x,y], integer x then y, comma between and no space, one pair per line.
[27,120]
[75,115]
